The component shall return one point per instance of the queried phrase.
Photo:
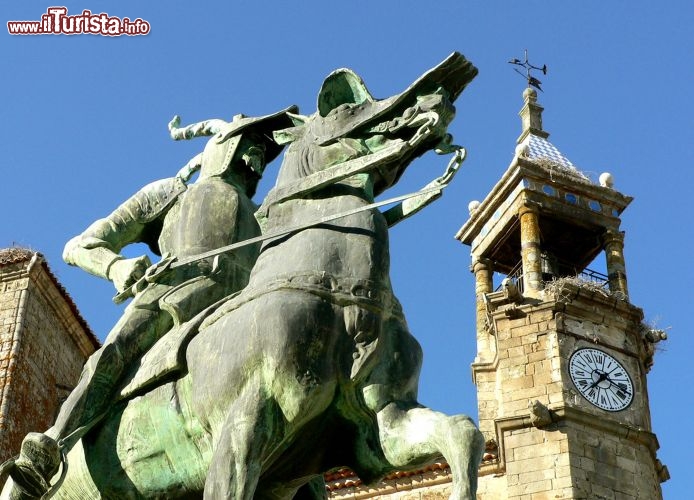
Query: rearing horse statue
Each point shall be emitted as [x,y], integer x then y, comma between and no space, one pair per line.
[312,366]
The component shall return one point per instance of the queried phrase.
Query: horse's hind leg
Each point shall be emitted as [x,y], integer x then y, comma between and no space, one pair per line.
[244,438]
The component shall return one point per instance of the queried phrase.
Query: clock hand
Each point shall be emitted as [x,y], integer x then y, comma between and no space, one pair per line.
[603,376]
[618,387]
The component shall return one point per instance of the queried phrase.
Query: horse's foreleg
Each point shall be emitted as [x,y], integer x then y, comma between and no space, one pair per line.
[243,439]
[412,436]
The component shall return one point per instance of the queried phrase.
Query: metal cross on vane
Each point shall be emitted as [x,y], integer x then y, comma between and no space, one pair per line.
[532,81]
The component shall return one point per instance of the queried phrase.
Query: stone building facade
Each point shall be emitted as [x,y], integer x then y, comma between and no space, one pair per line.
[43,344]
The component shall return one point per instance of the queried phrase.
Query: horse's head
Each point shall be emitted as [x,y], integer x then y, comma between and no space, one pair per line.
[350,123]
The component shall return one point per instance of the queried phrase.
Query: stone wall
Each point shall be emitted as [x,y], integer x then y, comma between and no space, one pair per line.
[43,344]
[545,441]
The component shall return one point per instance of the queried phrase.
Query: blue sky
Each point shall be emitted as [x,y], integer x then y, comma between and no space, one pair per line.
[84,126]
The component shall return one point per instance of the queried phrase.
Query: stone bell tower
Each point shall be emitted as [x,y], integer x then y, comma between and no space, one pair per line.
[562,354]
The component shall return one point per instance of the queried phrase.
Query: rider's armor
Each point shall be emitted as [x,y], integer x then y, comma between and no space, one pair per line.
[97,248]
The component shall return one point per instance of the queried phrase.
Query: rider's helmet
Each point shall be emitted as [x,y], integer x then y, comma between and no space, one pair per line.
[245,139]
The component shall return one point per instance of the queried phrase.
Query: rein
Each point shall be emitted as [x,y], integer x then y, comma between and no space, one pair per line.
[299,227]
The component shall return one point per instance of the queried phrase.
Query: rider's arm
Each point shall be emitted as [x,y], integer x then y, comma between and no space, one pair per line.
[200,129]
[97,250]
[91,253]
[193,165]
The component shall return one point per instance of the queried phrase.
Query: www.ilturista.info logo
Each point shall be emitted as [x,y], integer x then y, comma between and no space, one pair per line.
[56,22]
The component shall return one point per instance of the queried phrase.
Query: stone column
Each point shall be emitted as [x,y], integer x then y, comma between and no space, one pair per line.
[531,116]
[486,343]
[613,243]
[530,250]
[483,284]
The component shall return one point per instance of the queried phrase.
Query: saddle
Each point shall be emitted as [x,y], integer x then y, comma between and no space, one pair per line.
[166,360]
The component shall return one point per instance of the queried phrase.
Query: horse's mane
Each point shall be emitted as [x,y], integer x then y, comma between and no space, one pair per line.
[298,162]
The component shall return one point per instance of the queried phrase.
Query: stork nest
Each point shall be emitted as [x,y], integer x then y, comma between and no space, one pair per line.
[13,255]
[558,290]
[554,168]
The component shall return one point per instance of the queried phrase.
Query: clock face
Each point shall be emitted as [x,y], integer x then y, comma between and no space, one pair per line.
[601,379]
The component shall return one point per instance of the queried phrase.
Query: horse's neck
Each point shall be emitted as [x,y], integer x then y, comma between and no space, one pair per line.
[354,246]
[294,166]
[319,165]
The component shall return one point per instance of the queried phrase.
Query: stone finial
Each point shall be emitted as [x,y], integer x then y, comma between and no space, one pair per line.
[473,206]
[606,180]
[530,95]
[531,116]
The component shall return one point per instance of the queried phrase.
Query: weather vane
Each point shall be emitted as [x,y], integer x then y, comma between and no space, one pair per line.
[528,67]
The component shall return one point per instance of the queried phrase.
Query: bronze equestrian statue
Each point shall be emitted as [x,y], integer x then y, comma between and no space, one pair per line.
[311,366]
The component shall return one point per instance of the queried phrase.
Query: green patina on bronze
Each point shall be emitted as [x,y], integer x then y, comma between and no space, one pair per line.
[250,373]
